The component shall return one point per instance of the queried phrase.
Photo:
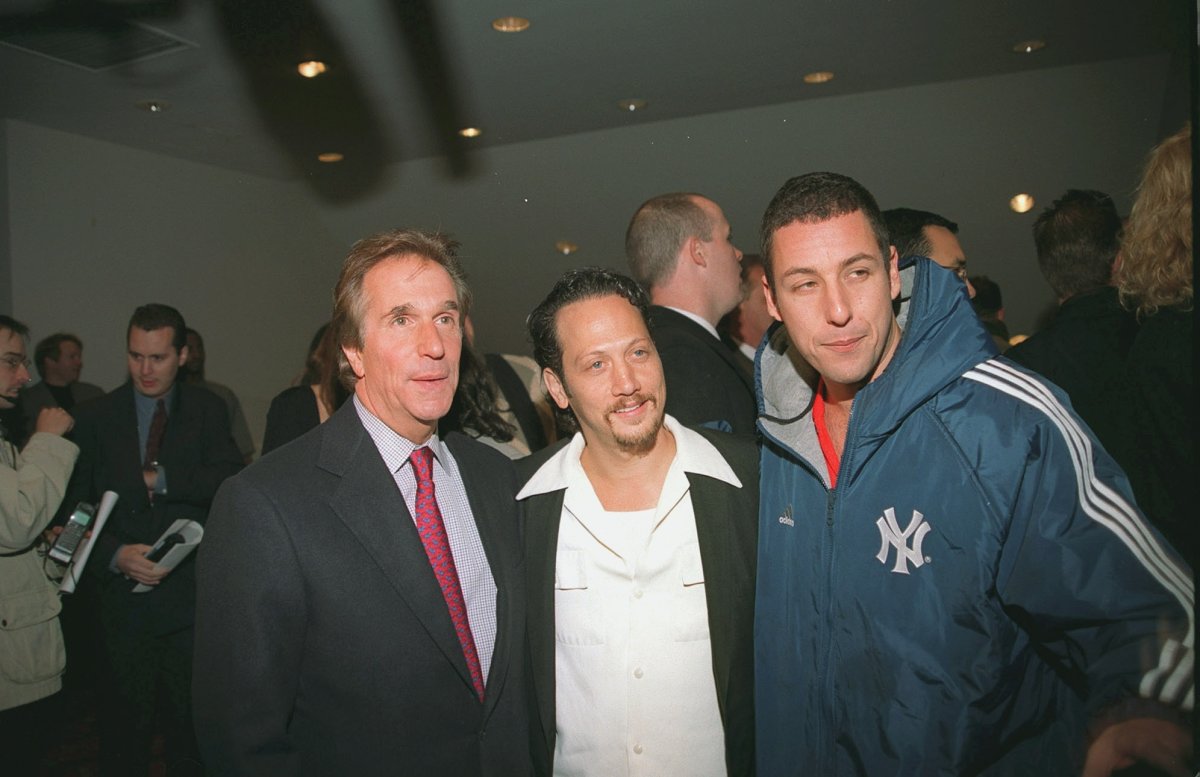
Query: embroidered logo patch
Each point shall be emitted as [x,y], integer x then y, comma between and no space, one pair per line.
[891,536]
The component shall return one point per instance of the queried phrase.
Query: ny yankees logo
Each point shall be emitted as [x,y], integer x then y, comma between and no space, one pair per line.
[890,534]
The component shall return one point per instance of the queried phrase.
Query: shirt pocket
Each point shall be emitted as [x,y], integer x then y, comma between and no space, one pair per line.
[577,615]
[690,609]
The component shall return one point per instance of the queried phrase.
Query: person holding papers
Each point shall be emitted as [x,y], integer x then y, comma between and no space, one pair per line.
[163,447]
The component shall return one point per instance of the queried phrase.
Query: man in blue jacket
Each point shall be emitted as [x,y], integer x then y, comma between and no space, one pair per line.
[953,579]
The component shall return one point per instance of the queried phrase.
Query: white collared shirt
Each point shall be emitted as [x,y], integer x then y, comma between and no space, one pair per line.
[712,330]
[635,693]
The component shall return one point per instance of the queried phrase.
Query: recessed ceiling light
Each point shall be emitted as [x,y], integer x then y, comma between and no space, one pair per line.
[153,106]
[311,69]
[470,132]
[818,77]
[565,247]
[632,105]
[1021,203]
[330,156]
[1029,46]
[510,24]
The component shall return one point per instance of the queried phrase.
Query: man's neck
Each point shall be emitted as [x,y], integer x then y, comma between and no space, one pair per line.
[839,400]
[684,300]
[626,481]
[56,381]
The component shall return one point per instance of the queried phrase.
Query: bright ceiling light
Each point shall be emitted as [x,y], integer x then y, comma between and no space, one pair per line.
[631,105]
[330,157]
[510,24]
[470,132]
[311,69]
[152,106]
[1021,203]
[565,247]
[1029,46]
[818,77]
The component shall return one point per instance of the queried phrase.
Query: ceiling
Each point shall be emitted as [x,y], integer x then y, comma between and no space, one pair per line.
[406,74]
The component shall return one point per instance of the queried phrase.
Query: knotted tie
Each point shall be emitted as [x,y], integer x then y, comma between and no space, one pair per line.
[158,426]
[433,536]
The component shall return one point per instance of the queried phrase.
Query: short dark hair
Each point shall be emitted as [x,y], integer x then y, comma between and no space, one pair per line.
[987,300]
[157,316]
[906,226]
[1077,241]
[816,197]
[51,348]
[658,230]
[575,286]
[349,300]
[13,325]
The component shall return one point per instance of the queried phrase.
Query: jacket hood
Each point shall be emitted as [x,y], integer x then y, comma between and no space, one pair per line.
[941,339]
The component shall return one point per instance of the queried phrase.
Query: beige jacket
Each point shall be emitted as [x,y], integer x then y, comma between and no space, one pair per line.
[32,482]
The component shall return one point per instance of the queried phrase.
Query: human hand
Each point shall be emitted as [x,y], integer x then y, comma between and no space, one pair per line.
[54,420]
[1161,743]
[132,561]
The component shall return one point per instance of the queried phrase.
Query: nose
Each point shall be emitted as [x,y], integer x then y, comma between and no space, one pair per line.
[837,307]
[625,380]
[430,341]
[738,252]
[970,288]
[145,368]
[23,374]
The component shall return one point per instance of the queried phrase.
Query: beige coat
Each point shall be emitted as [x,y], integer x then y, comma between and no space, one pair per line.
[32,483]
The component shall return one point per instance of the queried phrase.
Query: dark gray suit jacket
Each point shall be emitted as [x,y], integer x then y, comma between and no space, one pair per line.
[705,382]
[197,453]
[323,642]
[727,530]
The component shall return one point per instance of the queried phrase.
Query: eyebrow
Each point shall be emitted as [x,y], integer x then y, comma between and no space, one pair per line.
[841,265]
[408,308]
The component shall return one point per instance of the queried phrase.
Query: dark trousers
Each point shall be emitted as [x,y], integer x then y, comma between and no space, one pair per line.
[27,733]
[149,692]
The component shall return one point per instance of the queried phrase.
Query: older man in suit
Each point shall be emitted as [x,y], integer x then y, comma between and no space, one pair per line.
[640,556]
[163,447]
[360,606]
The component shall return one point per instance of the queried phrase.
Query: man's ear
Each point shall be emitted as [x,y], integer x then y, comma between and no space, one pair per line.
[893,262]
[183,355]
[555,388]
[696,251]
[354,356]
[772,308]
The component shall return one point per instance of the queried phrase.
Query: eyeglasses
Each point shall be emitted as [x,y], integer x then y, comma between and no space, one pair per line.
[15,362]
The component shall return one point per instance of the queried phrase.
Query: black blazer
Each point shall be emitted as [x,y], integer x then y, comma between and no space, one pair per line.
[727,530]
[705,382]
[198,454]
[323,643]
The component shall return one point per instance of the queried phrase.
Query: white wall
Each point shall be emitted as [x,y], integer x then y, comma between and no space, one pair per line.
[961,149]
[98,229]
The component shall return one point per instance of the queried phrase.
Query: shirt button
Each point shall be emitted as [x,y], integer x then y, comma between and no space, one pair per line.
[637,594]
[637,749]
[638,674]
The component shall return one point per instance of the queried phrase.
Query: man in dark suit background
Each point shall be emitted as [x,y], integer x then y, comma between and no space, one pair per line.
[59,361]
[679,249]
[163,447]
[640,543]
[336,631]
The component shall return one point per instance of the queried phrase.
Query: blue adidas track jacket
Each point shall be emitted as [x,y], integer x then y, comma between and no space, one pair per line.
[977,589]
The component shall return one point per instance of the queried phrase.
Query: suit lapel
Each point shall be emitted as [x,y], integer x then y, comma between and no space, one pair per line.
[368,502]
[714,503]
[126,451]
[543,514]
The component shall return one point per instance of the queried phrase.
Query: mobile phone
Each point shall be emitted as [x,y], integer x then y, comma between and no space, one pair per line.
[68,541]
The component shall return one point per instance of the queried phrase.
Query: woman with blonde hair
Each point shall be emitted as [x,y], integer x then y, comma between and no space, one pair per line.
[1154,278]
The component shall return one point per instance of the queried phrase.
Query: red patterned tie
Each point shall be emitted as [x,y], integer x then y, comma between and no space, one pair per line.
[433,536]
